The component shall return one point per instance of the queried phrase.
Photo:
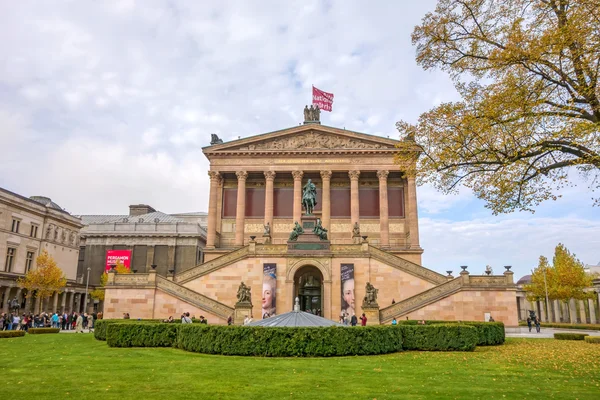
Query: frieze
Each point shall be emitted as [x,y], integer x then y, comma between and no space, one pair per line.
[369,228]
[283,227]
[193,297]
[487,281]
[131,279]
[420,300]
[271,249]
[269,161]
[313,140]
[341,228]
[346,248]
[254,228]
[396,228]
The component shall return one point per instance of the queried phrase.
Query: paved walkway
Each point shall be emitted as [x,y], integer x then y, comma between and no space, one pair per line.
[545,333]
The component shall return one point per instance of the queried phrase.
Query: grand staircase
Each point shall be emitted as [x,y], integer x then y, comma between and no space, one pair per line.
[194,298]
[212,265]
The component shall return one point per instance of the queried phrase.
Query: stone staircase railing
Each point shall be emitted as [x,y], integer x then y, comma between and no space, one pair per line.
[420,300]
[212,265]
[407,266]
[194,298]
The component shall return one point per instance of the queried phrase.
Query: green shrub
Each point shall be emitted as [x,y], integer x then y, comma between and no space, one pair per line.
[489,333]
[141,334]
[592,339]
[39,331]
[9,334]
[439,337]
[100,325]
[589,327]
[289,342]
[570,336]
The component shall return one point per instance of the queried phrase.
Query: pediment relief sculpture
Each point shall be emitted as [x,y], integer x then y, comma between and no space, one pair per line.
[313,140]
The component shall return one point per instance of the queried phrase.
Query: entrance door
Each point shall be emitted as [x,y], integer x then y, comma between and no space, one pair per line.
[308,287]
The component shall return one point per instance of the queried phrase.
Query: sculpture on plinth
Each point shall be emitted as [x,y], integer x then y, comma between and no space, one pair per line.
[214,139]
[297,230]
[319,230]
[312,114]
[370,299]
[309,197]
[356,230]
[243,294]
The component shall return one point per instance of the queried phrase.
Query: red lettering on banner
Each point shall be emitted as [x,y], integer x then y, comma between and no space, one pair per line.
[322,99]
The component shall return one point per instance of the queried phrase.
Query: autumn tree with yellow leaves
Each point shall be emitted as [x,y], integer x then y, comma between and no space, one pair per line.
[45,280]
[529,116]
[566,278]
[98,293]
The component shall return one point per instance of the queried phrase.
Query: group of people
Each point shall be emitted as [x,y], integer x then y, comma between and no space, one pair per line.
[346,319]
[533,321]
[65,321]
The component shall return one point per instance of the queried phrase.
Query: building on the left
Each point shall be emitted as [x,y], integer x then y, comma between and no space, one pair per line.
[28,226]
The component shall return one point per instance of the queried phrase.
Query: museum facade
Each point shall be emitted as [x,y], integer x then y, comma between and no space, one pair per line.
[353,248]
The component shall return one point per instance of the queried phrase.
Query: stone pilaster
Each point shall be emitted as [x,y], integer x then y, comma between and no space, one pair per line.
[326,199]
[412,214]
[354,206]
[384,222]
[149,257]
[297,195]
[211,228]
[269,180]
[240,216]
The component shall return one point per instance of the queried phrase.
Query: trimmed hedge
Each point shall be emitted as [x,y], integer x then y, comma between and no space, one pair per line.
[38,331]
[570,336]
[589,327]
[439,337]
[488,333]
[100,325]
[9,334]
[141,335]
[592,339]
[289,342]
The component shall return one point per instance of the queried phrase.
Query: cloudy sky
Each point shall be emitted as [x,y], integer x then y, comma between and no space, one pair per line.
[108,103]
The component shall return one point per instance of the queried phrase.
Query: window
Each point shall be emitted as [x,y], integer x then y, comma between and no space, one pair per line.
[34,229]
[15,226]
[10,257]
[29,261]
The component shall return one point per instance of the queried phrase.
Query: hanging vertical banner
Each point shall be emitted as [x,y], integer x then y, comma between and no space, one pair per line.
[269,289]
[347,284]
[322,99]
[112,256]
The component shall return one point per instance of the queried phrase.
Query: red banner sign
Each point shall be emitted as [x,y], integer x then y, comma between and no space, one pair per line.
[322,99]
[112,256]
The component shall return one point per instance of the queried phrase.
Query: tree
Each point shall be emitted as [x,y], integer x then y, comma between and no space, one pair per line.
[45,280]
[529,118]
[98,293]
[566,278]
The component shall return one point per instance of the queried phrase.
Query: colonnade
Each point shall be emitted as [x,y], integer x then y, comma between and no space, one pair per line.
[573,311]
[297,175]
[68,301]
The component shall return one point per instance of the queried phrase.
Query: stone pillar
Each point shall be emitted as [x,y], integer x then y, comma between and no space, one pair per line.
[582,316]
[55,302]
[556,305]
[354,206]
[149,257]
[211,229]
[269,181]
[326,199]
[384,222]
[6,300]
[412,214]
[240,215]
[63,302]
[297,195]
[572,311]
[593,319]
[72,300]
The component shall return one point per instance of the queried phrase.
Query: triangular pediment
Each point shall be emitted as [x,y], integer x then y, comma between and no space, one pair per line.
[310,137]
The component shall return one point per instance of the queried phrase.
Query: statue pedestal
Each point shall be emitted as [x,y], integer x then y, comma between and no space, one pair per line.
[241,311]
[372,314]
[356,239]
[267,239]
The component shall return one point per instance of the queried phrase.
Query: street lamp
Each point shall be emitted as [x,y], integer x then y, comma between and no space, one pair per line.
[547,307]
[87,282]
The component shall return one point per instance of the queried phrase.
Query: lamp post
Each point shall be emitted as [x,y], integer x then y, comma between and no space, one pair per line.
[87,283]
[547,307]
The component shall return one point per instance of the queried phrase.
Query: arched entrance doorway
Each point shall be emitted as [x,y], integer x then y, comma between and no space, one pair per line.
[308,287]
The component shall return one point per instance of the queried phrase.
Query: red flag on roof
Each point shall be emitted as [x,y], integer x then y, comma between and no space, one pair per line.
[322,99]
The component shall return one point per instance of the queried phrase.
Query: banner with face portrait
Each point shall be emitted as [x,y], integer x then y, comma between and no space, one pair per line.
[269,290]
[347,284]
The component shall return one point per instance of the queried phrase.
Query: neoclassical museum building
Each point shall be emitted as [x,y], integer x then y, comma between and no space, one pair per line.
[357,251]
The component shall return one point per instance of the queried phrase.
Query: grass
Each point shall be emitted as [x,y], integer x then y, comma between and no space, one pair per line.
[77,366]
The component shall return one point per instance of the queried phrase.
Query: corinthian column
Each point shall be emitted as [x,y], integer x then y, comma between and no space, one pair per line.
[297,195]
[240,215]
[354,209]
[384,221]
[270,178]
[212,209]
[413,218]
[326,199]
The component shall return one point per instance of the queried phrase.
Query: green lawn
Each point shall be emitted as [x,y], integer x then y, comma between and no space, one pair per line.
[78,366]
